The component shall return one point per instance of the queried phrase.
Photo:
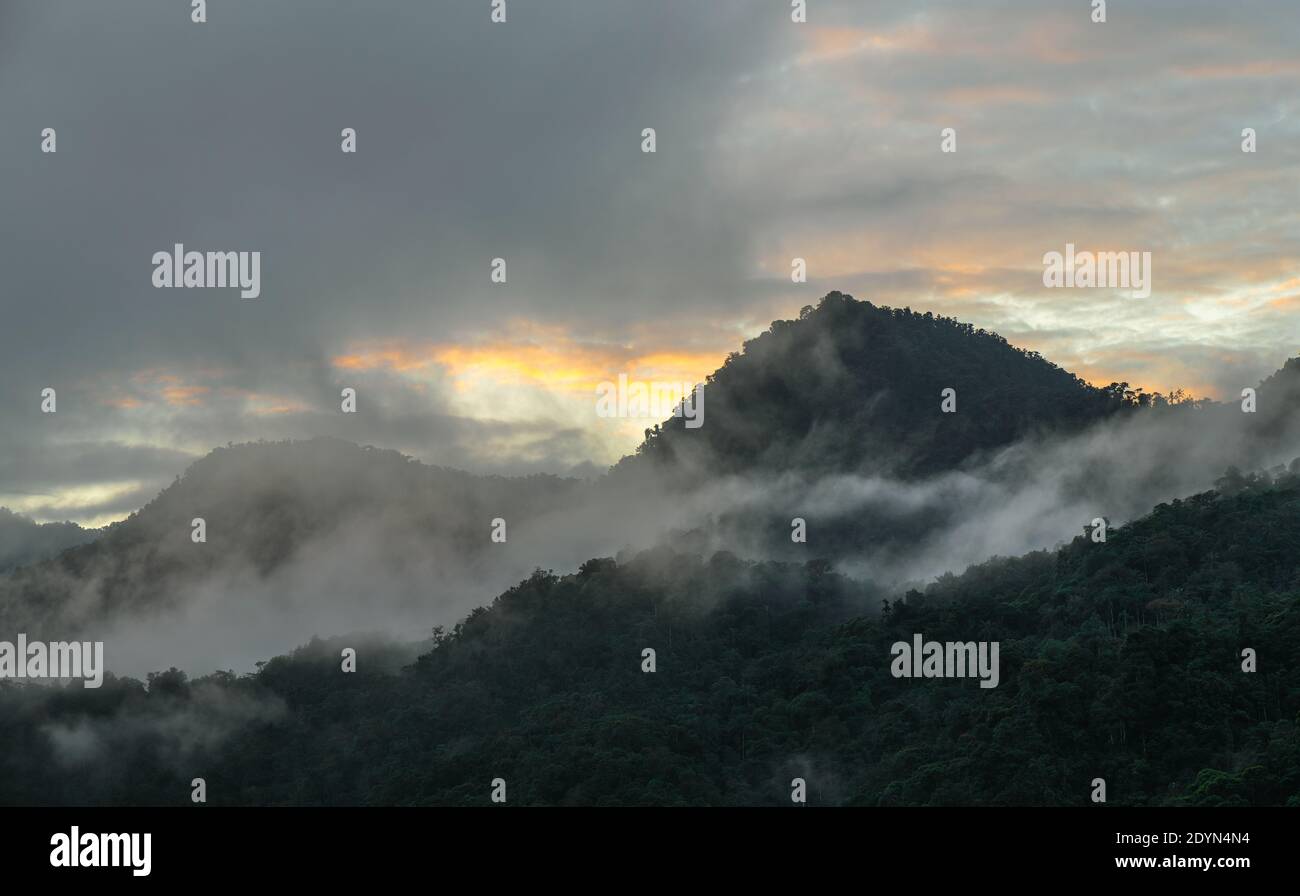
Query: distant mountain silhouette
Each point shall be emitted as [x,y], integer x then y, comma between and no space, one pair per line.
[261,503]
[23,540]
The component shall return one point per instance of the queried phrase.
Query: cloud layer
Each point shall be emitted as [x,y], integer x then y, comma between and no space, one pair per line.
[522,141]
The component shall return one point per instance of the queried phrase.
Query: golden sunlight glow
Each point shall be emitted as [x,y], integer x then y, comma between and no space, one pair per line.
[535,373]
[53,507]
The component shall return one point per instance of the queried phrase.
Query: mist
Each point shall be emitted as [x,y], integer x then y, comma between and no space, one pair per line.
[397,568]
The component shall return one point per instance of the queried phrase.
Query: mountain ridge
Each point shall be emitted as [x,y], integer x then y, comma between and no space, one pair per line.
[264,504]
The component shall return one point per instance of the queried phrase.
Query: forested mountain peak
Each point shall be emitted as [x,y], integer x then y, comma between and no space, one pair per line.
[855,387]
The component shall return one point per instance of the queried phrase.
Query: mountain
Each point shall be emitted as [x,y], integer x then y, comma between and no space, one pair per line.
[1120,659]
[835,422]
[853,387]
[834,419]
[23,540]
[324,515]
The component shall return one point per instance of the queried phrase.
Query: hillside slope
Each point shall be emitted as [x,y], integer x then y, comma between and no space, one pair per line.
[834,419]
[1119,660]
[318,507]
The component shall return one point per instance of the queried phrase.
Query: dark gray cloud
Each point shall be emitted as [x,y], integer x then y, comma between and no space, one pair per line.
[475,141]
[522,140]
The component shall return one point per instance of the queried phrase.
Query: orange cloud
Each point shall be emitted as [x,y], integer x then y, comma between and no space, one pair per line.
[1151,371]
[1286,303]
[826,44]
[563,364]
[261,404]
[187,396]
[397,358]
[1258,68]
[151,385]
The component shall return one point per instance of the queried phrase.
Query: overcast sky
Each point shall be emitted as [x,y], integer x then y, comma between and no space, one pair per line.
[523,140]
